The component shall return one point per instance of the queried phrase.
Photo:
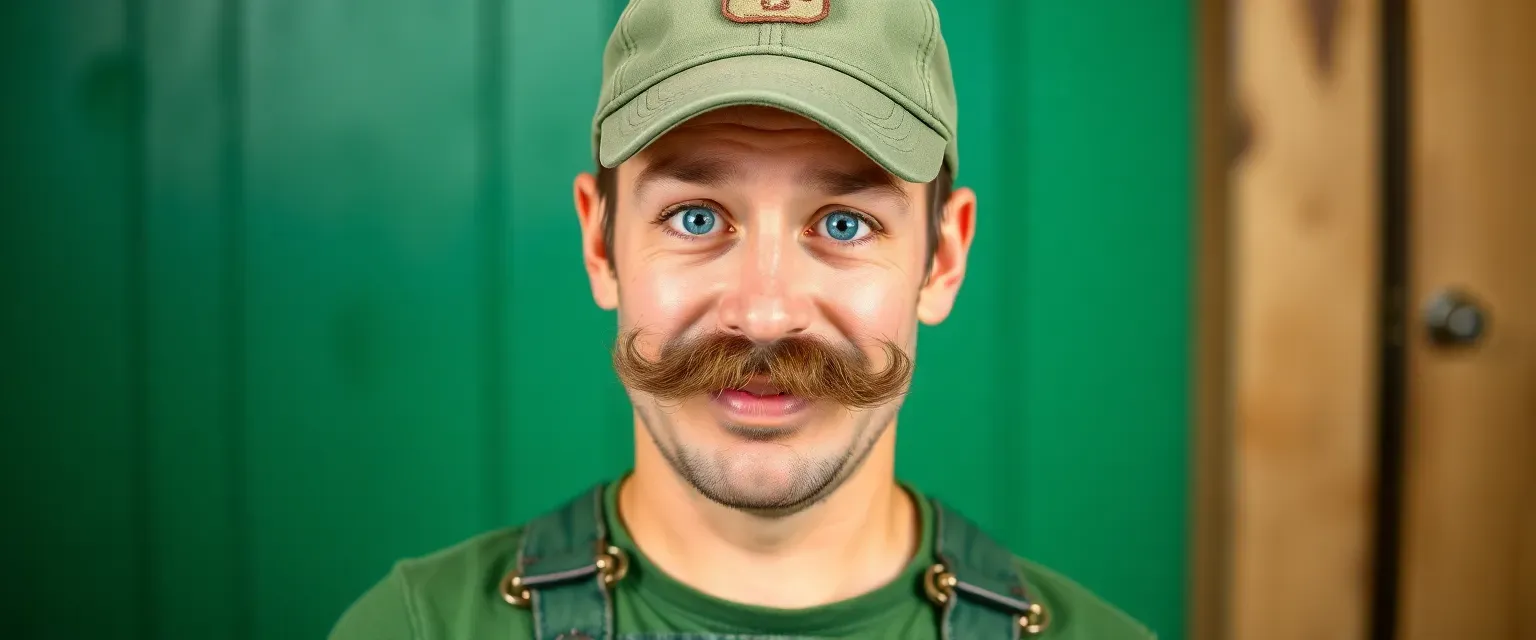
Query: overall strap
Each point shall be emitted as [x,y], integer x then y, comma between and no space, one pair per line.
[565,570]
[983,593]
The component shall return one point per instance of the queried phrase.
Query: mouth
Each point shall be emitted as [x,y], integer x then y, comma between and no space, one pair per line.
[758,402]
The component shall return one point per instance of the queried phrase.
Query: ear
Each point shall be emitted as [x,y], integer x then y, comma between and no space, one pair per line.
[937,297]
[594,252]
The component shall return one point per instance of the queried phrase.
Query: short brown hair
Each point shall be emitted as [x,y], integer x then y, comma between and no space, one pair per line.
[938,194]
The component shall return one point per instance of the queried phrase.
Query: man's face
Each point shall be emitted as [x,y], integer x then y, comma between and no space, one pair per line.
[769,278]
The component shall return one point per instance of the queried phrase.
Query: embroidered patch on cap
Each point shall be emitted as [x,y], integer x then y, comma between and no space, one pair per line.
[801,11]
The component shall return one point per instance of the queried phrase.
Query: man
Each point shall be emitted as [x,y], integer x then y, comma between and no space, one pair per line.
[771,218]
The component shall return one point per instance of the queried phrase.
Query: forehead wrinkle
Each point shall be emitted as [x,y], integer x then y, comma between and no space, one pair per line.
[720,150]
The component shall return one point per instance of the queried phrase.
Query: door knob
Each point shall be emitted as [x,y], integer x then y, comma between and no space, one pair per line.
[1455,319]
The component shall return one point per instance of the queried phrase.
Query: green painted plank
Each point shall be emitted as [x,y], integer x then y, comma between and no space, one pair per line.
[569,423]
[955,428]
[69,273]
[494,263]
[407,320]
[1106,94]
[196,504]
[363,309]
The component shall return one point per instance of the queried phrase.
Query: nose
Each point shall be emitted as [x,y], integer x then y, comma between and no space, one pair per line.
[765,301]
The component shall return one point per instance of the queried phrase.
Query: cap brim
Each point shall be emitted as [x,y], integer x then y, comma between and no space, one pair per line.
[865,117]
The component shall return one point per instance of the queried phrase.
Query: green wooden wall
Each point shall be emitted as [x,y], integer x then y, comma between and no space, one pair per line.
[292,289]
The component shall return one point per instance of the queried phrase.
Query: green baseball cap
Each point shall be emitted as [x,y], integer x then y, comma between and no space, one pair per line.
[876,72]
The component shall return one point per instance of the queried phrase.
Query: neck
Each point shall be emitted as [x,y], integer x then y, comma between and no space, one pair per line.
[852,542]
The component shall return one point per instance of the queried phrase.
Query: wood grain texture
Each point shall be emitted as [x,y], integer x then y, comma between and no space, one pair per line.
[1305,274]
[1469,546]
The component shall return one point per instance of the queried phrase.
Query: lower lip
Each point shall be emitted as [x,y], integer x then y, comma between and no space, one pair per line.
[744,404]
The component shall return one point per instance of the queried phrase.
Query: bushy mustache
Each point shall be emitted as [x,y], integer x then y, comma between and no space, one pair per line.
[805,366]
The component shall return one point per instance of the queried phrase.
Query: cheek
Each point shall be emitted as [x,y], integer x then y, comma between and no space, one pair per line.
[647,295]
[884,306]
[658,298]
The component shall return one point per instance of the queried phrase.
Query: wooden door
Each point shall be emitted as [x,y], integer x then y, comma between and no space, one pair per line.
[1468,561]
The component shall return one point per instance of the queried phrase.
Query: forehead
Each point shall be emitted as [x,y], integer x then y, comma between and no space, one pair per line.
[748,133]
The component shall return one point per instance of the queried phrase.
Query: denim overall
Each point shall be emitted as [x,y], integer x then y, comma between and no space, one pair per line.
[566,568]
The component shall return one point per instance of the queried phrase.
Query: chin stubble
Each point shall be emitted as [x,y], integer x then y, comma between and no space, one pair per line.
[814,480]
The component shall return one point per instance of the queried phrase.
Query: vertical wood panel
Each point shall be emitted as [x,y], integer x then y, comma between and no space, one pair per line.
[948,421]
[568,423]
[194,498]
[1105,160]
[1305,261]
[1211,505]
[493,229]
[363,326]
[69,273]
[1527,564]
[1468,541]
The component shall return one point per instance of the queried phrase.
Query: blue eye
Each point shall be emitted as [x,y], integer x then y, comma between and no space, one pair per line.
[694,221]
[843,226]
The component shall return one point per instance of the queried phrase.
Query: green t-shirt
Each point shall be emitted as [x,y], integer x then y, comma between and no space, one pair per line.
[454,595]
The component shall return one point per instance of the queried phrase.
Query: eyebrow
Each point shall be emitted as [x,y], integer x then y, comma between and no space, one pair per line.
[835,182]
[703,171]
[706,171]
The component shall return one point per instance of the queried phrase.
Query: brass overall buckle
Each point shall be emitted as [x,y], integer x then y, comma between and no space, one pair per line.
[611,565]
[939,583]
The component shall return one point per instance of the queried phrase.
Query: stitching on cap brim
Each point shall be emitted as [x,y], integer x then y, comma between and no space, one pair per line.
[860,114]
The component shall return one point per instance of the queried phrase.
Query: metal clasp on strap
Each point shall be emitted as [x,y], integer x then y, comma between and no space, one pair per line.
[940,584]
[611,565]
